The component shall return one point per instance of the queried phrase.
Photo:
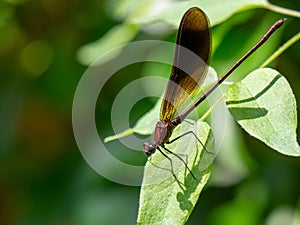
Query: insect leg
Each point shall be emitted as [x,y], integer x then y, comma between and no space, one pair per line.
[180,160]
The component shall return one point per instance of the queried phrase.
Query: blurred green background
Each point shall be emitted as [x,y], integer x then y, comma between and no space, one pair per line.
[44,50]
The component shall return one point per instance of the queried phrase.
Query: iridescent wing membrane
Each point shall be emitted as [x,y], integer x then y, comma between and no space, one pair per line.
[193,35]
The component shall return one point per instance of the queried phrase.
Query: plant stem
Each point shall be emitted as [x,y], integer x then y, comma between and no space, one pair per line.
[282,10]
[281,49]
[206,114]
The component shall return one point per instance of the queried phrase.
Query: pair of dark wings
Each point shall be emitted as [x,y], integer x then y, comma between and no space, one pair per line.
[190,63]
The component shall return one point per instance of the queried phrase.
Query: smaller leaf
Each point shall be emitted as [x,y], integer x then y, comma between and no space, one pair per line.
[144,125]
[264,105]
[118,35]
[164,199]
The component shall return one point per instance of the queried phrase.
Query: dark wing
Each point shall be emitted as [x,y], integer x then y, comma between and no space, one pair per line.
[193,35]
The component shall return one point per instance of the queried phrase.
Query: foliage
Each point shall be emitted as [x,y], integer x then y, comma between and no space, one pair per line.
[44,49]
[252,104]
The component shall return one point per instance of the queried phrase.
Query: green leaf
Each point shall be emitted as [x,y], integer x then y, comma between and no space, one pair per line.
[169,12]
[118,35]
[264,105]
[138,14]
[164,199]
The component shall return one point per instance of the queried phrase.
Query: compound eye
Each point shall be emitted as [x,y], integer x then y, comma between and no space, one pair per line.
[149,148]
[145,145]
